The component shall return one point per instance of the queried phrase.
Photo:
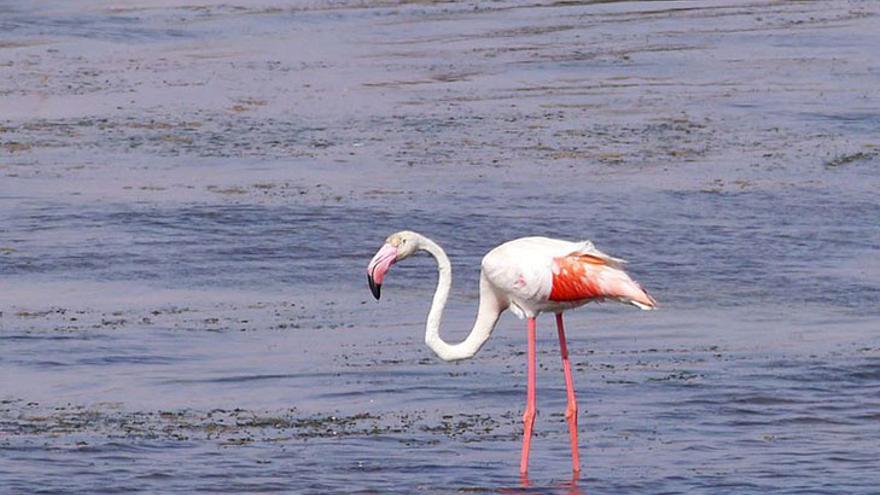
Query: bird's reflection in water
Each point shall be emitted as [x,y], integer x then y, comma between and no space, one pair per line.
[564,487]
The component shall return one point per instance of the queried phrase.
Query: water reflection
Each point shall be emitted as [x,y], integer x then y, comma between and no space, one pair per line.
[570,487]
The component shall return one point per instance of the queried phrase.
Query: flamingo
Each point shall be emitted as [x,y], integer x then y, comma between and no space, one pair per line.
[528,276]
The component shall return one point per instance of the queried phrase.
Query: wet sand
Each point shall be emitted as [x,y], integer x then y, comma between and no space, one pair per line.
[189,193]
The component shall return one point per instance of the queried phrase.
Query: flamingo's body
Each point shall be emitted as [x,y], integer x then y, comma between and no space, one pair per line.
[529,276]
[540,275]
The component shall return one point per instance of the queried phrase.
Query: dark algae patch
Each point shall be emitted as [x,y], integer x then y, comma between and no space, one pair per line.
[29,422]
[861,156]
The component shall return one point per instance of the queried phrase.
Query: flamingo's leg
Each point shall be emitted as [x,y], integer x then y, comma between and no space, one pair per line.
[531,408]
[572,410]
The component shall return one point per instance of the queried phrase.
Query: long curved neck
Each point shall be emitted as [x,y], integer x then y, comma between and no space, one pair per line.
[487,315]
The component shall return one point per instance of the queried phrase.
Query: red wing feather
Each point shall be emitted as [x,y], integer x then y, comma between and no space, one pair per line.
[574,278]
[585,276]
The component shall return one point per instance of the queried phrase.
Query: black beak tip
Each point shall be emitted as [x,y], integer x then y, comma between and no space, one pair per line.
[375,288]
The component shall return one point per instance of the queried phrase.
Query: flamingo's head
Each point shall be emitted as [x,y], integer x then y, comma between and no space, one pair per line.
[397,247]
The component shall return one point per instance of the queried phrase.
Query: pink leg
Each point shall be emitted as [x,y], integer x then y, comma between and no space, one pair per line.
[572,409]
[531,409]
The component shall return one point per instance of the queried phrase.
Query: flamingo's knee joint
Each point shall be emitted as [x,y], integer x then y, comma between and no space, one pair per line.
[529,416]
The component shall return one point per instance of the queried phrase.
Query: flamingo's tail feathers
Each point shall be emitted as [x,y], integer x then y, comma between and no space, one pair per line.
[641,299]
[629,291]
[648,303]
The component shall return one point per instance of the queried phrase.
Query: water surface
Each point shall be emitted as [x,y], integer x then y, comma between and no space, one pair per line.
[189,194]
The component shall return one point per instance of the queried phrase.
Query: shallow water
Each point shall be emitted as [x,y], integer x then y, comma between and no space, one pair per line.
[189,194]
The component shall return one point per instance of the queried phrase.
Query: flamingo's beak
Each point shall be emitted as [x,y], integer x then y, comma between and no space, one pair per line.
[378,267]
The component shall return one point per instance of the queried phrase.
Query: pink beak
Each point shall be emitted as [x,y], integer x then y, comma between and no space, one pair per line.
[378,267]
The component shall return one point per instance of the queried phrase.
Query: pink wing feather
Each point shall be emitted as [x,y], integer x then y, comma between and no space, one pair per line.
[580,276]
